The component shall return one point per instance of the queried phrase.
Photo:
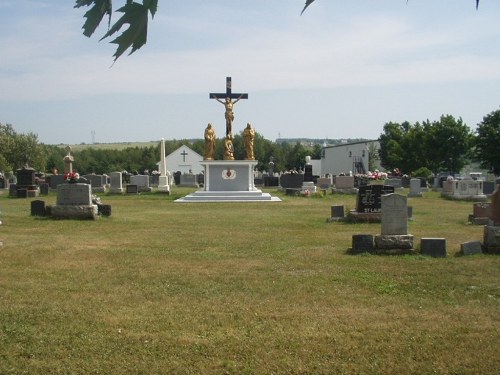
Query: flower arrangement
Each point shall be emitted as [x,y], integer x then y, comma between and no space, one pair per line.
[71,177]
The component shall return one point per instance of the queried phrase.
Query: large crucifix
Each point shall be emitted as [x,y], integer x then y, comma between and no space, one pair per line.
[228,104]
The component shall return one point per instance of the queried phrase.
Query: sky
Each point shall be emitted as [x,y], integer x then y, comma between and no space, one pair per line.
[341,70]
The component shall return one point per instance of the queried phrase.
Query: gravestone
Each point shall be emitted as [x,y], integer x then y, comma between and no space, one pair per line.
[324,183]
[491,237]
[132,189]
[344,182]
[395,182]
[471,248]
[337,214]
[308,173]
[488,187]
[362,243]
[434,247]
[12,190]
[142,182]
[55,180]
[116,184]
[4,183]
[188,180]
[369,198]
[271,181]
[96,181]
[415,188]
[38,208]
[481,212]
[394,238]
[394,214]
[291,181]
[44,188]
[405,181]
[74,201]
[468,190]
[26,183]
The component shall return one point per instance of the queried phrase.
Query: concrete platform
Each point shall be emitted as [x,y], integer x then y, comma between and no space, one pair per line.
[228,196]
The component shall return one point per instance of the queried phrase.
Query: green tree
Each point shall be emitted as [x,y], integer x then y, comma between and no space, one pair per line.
[19,150]
[487,142]
[447,144]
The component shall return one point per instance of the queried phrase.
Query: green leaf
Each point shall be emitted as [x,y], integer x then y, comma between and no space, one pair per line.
[136,15]
[95,15]
[308,2]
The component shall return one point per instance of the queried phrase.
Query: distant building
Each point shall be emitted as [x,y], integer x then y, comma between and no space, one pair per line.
[184,160]
[347,157]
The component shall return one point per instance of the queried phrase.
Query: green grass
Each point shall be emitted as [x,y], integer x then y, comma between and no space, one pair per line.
[241,288]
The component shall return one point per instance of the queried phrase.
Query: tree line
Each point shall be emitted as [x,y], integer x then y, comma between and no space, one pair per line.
[444,145]
[419,149]
[16,152]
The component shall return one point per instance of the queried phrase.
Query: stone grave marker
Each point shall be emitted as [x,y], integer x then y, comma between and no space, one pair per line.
[468,189]
[434,247]
[471,248]
[488,187]
[116,186]
[188,180]
[394,214]
[74,201]
[395,182]
[96,181]
[142,182]
[415,188]
[38,208]
[324,183]
[344,182]
[369,198]
[132,189]
[491,238]
[394,238]
[291,181]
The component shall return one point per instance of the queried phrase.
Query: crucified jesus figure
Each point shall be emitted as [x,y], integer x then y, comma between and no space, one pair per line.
[228,104]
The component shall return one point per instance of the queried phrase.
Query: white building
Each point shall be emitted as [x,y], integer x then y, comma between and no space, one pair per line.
[347,157]
[184,160]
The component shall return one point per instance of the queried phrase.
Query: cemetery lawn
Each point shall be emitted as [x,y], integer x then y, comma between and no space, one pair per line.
[241,288]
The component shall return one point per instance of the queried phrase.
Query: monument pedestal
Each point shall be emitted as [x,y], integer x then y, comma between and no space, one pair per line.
[229,181]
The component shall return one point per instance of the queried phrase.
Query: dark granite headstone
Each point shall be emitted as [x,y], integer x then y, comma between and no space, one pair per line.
[132,189]
[434,247]
[22,192]
[362,243]
[38,208]
[104,209]
[271,181]
[488,187]
[369,198]
[3,183]
[177,177]
[291,181]
[338,211]
[44,189]
[308,173]
[25,177]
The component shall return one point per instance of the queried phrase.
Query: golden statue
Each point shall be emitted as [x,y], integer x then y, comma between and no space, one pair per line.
[228,148]
[209,143]
[228,103]
[249,136]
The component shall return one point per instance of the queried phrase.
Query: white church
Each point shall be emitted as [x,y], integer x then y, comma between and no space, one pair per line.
[184,160]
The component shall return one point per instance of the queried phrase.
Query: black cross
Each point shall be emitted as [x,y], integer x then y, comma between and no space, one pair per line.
[228,93]
[184,153]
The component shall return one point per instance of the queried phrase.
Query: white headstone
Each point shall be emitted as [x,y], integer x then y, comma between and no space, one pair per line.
[394,214]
